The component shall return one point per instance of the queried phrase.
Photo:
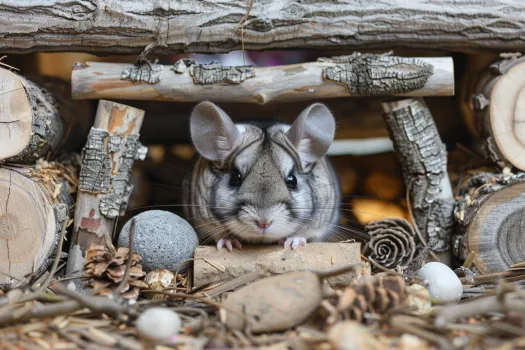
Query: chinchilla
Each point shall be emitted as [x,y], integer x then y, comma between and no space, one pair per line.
[257,185]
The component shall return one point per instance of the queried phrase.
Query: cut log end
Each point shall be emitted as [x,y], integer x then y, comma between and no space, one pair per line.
[507,115]
[30,125]
[496,232]
[497,111]
[28,229]
[15,115]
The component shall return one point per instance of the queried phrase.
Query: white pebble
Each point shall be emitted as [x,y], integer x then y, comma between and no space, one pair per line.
[158,323]
[443,284]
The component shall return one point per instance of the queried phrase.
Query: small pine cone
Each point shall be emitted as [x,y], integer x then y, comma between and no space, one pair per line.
[377,294]
[392,242]
[106,270]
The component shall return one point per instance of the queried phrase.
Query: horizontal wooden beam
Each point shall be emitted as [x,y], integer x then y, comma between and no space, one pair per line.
[298,82]
[128,26]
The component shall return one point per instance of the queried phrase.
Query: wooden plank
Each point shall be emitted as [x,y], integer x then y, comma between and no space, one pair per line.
[212,265]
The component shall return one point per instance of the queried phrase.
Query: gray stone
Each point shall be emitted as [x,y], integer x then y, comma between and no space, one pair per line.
[163,239]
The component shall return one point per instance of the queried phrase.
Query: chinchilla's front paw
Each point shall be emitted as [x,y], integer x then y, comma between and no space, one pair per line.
[294,242]
[229,244]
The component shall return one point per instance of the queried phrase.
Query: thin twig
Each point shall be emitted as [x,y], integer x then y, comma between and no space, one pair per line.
[122,283]
[47,281]
[241,24]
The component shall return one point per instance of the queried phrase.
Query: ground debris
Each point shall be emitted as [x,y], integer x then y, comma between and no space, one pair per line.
[382,304]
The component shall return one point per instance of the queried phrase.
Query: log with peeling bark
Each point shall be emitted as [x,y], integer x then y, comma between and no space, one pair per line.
[34,204]
[355,75]
[30,124]
[104,181]
[423,159]
[128,26]
[213,266]
[497,111]
[491,220]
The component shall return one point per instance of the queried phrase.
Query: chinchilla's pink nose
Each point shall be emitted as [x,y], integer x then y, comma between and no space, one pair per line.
[263,224]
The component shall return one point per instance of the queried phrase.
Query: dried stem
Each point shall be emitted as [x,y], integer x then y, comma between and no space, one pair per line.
[122,283]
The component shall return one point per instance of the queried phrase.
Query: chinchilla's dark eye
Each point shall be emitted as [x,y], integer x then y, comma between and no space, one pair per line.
[235,177]
[291,182]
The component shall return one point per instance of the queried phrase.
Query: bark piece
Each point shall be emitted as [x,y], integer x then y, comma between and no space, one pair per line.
[77,115]
[212,265]
[148,72]
[193,26]
[33,208]
[104,184]
[373,75]
[93,80]
[497,111]
[215,73]
[423,159]
[30,125]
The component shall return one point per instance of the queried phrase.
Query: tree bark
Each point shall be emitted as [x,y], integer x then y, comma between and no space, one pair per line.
[212,265]
[34,206]
[30,125]
[104,181]
[423,159]
[76,115]
[496,111]
[358,75]
[128,26]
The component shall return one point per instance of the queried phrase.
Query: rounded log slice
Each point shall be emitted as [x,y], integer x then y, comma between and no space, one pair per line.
[30,125]
[498,105]
[28,226]
[496,233]
[15,115]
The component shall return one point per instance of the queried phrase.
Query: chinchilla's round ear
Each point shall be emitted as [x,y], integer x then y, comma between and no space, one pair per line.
[313,132]
[212,131]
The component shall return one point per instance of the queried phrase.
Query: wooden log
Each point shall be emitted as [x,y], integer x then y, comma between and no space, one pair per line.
[432,77]
[35,204]
[495,233]
[104,182]
[215,26]
[212,265]
[497,111]
[30,125]
[423,159]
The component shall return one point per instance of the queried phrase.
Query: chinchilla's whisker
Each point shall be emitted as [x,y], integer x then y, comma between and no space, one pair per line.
[175,206]
[361,233]
[346,210]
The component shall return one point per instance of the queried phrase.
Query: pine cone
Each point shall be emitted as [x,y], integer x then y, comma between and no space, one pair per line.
[377,294]
[392,242]
[106,270]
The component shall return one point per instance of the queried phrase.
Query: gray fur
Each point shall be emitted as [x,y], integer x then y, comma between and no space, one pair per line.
[264,158]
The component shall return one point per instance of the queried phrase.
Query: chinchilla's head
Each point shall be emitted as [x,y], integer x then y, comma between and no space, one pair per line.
[266,183]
